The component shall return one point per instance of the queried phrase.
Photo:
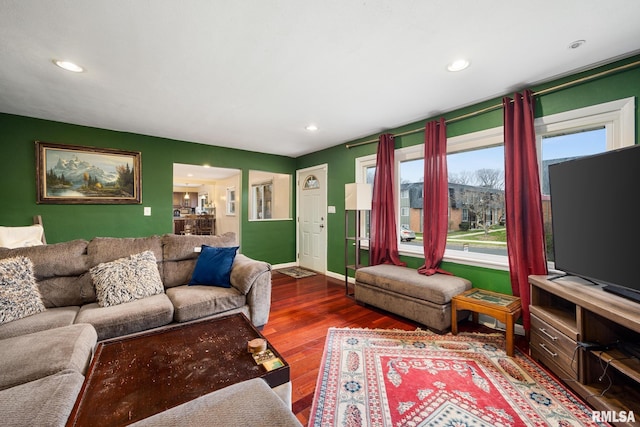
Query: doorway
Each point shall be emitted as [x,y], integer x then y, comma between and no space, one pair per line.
[312,218]
[208,191]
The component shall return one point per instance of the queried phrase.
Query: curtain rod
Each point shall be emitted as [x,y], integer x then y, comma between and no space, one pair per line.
[498,106]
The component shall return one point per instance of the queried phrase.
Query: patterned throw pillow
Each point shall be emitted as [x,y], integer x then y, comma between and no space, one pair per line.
[127,279]
[19,295]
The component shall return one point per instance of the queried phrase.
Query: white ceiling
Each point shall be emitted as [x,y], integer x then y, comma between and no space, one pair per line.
[194,175]
[252,74]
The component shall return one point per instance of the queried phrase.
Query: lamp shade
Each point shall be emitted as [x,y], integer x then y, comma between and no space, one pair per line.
[357,197]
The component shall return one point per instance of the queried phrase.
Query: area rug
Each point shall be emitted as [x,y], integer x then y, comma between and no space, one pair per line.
[296,272]
[394,378]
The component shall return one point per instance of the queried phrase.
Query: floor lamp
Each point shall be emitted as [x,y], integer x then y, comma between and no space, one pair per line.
[357,198]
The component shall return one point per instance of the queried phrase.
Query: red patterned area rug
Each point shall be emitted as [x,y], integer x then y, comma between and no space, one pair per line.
[389,378]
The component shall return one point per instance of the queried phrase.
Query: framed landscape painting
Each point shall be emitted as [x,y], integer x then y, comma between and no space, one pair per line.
[72,174]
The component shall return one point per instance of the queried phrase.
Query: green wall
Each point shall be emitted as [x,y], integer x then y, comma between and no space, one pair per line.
[341,160]
[272,241]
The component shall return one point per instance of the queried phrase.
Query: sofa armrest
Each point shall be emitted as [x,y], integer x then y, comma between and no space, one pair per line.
[248,403]
[253,279]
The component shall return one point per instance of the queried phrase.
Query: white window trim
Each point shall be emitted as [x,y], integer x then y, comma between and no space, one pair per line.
[618,117]
[361,164]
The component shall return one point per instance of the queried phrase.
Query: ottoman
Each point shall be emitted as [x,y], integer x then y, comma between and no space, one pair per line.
[405,292]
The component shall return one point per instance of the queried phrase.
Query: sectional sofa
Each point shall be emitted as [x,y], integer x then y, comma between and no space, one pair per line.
[45,353]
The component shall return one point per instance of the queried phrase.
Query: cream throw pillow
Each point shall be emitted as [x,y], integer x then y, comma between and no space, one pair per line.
[127,279]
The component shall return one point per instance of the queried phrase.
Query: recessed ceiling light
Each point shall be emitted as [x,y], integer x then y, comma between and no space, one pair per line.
[69,66]
[458,65]
[311,128]
[576,44]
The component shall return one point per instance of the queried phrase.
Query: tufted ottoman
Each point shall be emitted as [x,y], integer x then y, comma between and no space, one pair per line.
[405,292]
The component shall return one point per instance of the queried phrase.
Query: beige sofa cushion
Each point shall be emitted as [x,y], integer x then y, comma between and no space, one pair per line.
[44,402]
[194,302]
[57,260]
[67,290]
[49,319]
[261,407]
[127,318]
[60,270]
[34,356]
[107,249]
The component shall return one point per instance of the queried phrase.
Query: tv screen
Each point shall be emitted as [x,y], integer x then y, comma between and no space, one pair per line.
[596,224]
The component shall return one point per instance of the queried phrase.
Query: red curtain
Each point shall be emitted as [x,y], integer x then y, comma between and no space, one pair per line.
[525,229]
[384,235]
[435,202]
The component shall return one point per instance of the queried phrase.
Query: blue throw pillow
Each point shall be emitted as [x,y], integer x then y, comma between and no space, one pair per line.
[213,267]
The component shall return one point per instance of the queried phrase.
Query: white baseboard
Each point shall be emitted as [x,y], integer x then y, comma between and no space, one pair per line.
[339,276]
[284,265]
[327,273]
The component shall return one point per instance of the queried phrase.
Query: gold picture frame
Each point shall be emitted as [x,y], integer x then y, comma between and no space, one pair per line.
[73,174]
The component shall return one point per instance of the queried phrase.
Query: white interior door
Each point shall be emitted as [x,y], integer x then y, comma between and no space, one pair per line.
[312,218]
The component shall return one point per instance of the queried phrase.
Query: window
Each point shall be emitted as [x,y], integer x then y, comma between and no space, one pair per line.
[311,183]
[262,200]
[477,229]
[556,149]
[231,201]
[476,201]
[365,172]
[411,169]
[580,133]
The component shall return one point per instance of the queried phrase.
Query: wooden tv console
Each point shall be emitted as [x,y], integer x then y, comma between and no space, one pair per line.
[568,311]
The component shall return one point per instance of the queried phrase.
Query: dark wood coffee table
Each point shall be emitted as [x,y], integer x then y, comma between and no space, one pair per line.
[136,376]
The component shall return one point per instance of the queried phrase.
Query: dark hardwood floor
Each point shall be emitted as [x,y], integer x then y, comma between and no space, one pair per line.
[302,310]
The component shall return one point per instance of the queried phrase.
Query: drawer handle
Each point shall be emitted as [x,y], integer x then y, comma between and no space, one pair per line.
[544,331]
[544,347]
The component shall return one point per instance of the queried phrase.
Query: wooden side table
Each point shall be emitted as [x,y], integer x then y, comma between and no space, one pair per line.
[504,308]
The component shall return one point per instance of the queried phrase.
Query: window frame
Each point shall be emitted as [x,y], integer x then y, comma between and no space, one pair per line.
[230,201]
[617,117]
[259,210]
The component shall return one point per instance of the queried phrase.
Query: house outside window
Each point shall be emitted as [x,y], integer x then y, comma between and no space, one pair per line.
[477,229]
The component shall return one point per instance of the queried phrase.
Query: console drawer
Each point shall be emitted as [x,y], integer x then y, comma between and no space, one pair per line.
[556,350]
[552,336]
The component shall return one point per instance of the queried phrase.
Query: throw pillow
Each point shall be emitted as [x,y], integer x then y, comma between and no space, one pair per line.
[127,279]
[19,295]
[214,266]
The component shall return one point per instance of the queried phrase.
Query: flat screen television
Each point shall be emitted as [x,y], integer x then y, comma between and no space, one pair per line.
[595,219]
